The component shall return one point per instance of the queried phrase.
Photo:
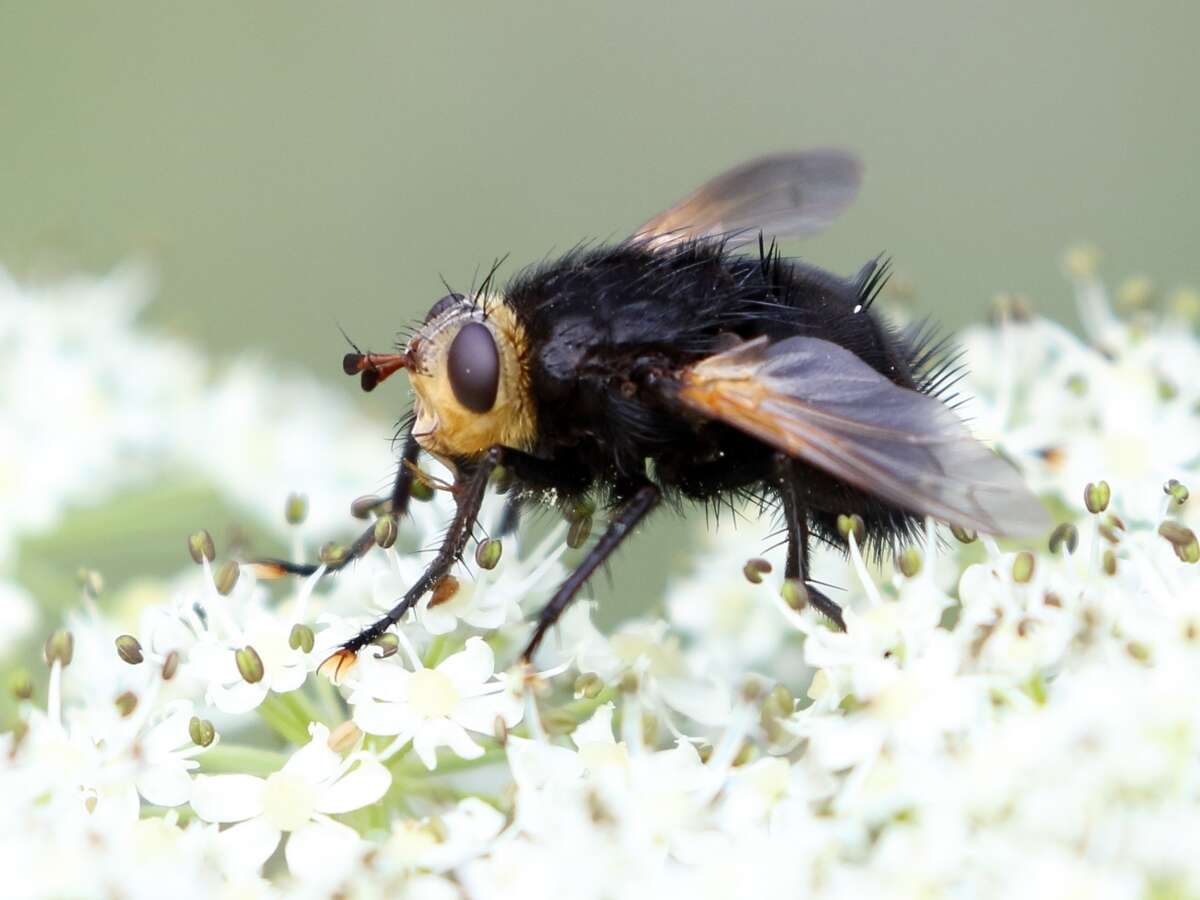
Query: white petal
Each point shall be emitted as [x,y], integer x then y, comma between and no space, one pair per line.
[288,678]
[470,667]
[314,761]
[172,732]
[443,733]
[384,681]
[359,787]
[385,718]
[238,697]
[535,764]
[597,729]
[322,852]
[167,784]
[479,713]
[246,846]
[227,798]
[437,620]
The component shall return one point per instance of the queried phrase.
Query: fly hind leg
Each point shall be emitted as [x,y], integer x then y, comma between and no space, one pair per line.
[796,520]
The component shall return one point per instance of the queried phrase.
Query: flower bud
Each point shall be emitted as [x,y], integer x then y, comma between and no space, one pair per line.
[1022,567]
[126,703]
[386,531]
[754,569]
[129,649]
[794,593]
[963,535]
[908,561]
[588,686]
[201,547]
[1065,535]
[344,737]
[60,648]
[227,577]
[295,510]
[170,665]
[1176,491]
[201,731]
[1096,496]
[579,532]
[249,664]
[301,638]
[487,553]
[444,590]
[855,525]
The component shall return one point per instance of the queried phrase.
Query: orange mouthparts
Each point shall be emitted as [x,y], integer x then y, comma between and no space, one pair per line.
[375,367]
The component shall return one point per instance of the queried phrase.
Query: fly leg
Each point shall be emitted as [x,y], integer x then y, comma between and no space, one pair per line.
[796,519]
[468,496]
[644,499]
[401,494]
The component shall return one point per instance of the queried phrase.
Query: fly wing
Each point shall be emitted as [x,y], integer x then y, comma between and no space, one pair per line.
[785,195]
[820,403]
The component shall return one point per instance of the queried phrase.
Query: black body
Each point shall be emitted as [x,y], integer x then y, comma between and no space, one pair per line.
[605,325]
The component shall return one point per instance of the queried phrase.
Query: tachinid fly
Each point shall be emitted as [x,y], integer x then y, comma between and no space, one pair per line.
[692,361]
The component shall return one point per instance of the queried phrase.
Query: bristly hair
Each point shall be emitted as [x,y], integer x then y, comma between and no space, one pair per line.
[486,285]
[875,281]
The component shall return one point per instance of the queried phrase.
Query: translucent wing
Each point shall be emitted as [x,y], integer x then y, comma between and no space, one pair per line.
[822,404]
[786,195]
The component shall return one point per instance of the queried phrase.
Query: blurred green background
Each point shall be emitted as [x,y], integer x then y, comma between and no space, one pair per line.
[286,166]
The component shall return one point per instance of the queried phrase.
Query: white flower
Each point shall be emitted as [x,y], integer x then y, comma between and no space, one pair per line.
[313,785]
[436,707]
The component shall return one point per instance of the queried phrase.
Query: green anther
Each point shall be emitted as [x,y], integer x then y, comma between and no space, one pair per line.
[1176,491]
[1138,651]
[126,703]
[629,682]
[1109,562]
[421,491]
[963,535]
[388,644]
[344,737]
[487,553]
[331,553]
[1065,535]
[295,510]
[502,479]
[588,686]
[170,665]
[558,721]
[1022,568]
[579,532]
[249,664]
[362,507]
[201,731]
[780,703]
[20,684]
[201,547]
[794,593]
[909,561]
[301,638]
[91,581]
[60,648]
[129,649]
[227,577]
[1182,539]
[855,525]
[386,531]
[583,508]
[1096,496]
[1077,385]
[755,569]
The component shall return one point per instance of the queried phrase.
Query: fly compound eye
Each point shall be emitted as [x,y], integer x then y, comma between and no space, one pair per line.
[473,366]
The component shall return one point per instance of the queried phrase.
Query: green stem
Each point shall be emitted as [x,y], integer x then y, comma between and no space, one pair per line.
[240,758]
[284,719]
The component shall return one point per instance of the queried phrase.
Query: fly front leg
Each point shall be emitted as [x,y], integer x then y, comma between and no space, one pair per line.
[796,520]
[400,499]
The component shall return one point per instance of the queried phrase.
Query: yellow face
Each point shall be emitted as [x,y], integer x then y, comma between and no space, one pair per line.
[469,372]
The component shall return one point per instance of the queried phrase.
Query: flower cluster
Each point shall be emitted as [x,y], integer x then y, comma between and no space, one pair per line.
[995,719]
